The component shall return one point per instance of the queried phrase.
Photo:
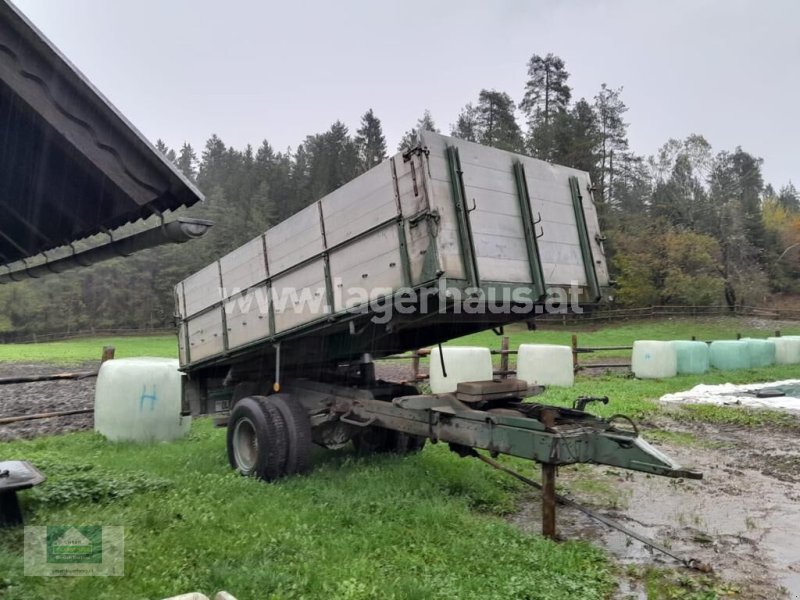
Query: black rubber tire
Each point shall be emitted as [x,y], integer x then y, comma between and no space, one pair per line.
[243,389]
[298,426]
[270,435]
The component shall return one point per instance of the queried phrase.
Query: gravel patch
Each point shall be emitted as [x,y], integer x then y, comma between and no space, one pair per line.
[45,396]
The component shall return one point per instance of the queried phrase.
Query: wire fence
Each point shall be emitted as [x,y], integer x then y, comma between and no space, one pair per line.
[26,337]
[660,311]
[599,315]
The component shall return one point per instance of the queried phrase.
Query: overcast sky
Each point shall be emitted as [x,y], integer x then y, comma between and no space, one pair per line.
[252,69]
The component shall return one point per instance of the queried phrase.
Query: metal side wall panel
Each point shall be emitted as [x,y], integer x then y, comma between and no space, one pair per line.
[201,290]
[367,269]
[559,245]
[183,358]
[411,183]
[206,335]
[300,296]
[495,217]
[294,240]
[593,225]
[244,267]
[359,205]
[247,316]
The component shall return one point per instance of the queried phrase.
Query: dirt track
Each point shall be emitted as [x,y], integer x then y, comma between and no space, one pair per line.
[743,518]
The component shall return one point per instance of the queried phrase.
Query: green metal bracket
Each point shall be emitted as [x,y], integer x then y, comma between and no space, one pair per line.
[583,236]
[534,259]
[462,214]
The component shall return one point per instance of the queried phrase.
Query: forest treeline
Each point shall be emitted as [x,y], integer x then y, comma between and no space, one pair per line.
[686,225]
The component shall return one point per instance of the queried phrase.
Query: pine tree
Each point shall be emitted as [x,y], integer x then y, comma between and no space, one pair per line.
[613,135]
[187,161]
[547,96]
[496,125]
[410,138]
[466,125]
[370,141]
[578,137]
[789,198]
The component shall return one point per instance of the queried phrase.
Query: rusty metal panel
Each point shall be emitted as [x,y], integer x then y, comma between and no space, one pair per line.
[206,334]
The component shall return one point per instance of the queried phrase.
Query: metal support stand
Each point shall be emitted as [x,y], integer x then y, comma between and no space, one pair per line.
[549,501]
[15,475]
[10,512]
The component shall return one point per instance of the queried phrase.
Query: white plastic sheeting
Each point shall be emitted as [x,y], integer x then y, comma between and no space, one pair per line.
[728,394]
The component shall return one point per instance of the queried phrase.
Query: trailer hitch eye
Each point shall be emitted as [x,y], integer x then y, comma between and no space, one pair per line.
[615,418]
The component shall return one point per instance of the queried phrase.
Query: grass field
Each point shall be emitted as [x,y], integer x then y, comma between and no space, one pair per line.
[90,348]
[424,526]
[715,328]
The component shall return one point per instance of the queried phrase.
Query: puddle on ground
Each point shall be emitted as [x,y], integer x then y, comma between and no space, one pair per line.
[743,518]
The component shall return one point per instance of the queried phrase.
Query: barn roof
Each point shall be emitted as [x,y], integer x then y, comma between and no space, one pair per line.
[71,165]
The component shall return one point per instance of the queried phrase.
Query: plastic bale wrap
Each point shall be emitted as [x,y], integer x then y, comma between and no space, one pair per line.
[654,360]
[692,357]
[729,355]
[462,363]
[761,352]
[139,400]
[787,350]
[545,364]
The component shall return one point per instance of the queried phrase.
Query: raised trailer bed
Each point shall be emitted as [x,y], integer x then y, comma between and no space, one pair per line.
[444,240]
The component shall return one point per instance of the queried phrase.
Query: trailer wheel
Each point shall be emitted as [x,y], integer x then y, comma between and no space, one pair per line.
[257,440]
[298,426]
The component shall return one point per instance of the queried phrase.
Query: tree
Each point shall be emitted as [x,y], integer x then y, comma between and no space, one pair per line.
[789,198]
[735,187]
[187,161]
[613,135]
[546,96]
[466,125]
[679,172]
[495,122]
[168,153]
[578,138]
[332,160]
[370,141]
[410,138]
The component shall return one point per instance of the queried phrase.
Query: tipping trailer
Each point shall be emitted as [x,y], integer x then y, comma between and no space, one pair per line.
[278,338]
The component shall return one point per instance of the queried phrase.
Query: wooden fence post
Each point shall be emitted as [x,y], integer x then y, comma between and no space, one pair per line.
[504,357]
[415,365]
[575,352]
[108,354]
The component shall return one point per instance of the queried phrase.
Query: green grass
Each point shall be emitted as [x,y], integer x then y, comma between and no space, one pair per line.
[625,334]
[638,398]
[87,349]
[423,526]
